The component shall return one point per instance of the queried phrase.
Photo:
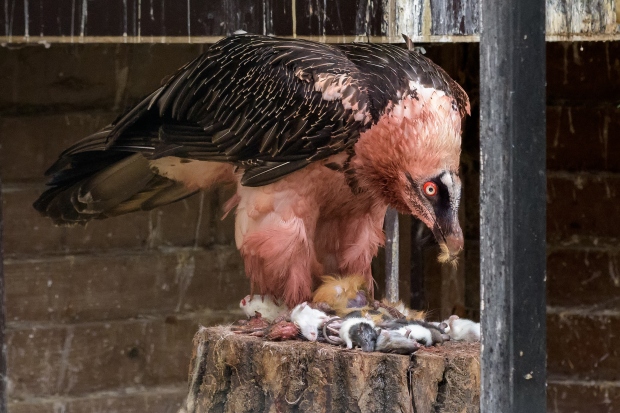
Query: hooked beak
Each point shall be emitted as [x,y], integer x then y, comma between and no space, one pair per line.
[450,239]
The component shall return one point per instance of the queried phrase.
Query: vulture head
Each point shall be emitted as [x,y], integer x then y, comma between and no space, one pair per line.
[415,168]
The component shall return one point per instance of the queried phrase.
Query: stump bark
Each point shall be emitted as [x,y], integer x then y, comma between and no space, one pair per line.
[239,373]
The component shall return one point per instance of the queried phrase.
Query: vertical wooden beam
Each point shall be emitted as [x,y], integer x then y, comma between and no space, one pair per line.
[3,350]
[512,198]
[392,260]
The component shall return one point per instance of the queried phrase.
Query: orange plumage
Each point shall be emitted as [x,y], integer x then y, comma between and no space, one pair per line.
[338,291]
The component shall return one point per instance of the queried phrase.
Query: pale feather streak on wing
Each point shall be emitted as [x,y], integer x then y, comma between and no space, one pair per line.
[254,100]
[268,105]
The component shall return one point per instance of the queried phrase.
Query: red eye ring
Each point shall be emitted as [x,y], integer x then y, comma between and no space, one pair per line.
[430,188]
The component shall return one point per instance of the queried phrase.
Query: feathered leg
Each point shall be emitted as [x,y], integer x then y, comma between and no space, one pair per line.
[274,232]
[348,244]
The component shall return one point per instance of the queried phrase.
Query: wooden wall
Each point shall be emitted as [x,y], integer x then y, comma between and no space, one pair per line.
[101,318]
[119,21]
[583,227]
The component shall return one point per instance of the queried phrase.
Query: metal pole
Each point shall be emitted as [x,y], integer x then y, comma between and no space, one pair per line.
[418,296]
[512,205]
[3,350]
[391,255]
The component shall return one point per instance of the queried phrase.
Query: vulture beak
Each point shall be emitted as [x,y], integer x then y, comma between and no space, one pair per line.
[435,200]
[449,235]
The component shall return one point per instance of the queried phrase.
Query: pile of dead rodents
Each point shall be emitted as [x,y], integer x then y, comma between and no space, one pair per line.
[342,313]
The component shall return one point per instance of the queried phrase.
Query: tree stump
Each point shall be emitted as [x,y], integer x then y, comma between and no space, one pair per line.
[239,373]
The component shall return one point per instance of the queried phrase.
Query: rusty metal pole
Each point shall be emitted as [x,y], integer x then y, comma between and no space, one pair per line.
[391,255]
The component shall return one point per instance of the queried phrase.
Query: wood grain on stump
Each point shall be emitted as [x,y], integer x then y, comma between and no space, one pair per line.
[239,373]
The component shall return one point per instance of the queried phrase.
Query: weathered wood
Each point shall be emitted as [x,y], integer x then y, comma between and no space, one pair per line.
[455,17]
[152,399]
[512,205]
[115,286]
[571,330]
[3,347]
[570,395]
[574,17]
[74,360]
[238,373]
[169,21]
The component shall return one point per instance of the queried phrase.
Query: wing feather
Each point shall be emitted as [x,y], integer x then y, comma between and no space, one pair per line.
[271,106]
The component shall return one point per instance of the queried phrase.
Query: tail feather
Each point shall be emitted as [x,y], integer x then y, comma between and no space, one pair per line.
[84,165]
[108,173]
[115,184]
[160,191]
[80,194]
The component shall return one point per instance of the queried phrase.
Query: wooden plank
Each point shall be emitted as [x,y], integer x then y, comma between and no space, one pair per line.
[3,347]
[567,17]
[38,139]
[512,206]
[206,21]
[455,17]
[71,77]
[573,216]
[123,285]
[192,222]
[583,396]
[584,74]
[341,17]
[444,285]
[156,399]
[407,17]
[571,129]
[583,277]
[77,359]
[583,342]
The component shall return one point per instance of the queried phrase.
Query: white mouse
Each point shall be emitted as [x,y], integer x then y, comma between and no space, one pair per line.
[308,320]
[265,305]
[418,333]
[462,329]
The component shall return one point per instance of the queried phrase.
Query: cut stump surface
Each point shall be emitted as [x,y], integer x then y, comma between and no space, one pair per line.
[239,373]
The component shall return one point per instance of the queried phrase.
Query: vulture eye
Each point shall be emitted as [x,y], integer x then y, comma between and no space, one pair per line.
[430,188]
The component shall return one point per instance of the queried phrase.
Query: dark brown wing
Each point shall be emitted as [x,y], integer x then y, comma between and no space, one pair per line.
[389,69]
[271,106]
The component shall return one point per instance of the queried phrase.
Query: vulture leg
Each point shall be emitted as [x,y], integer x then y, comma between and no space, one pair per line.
[274,233]
[348,244]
